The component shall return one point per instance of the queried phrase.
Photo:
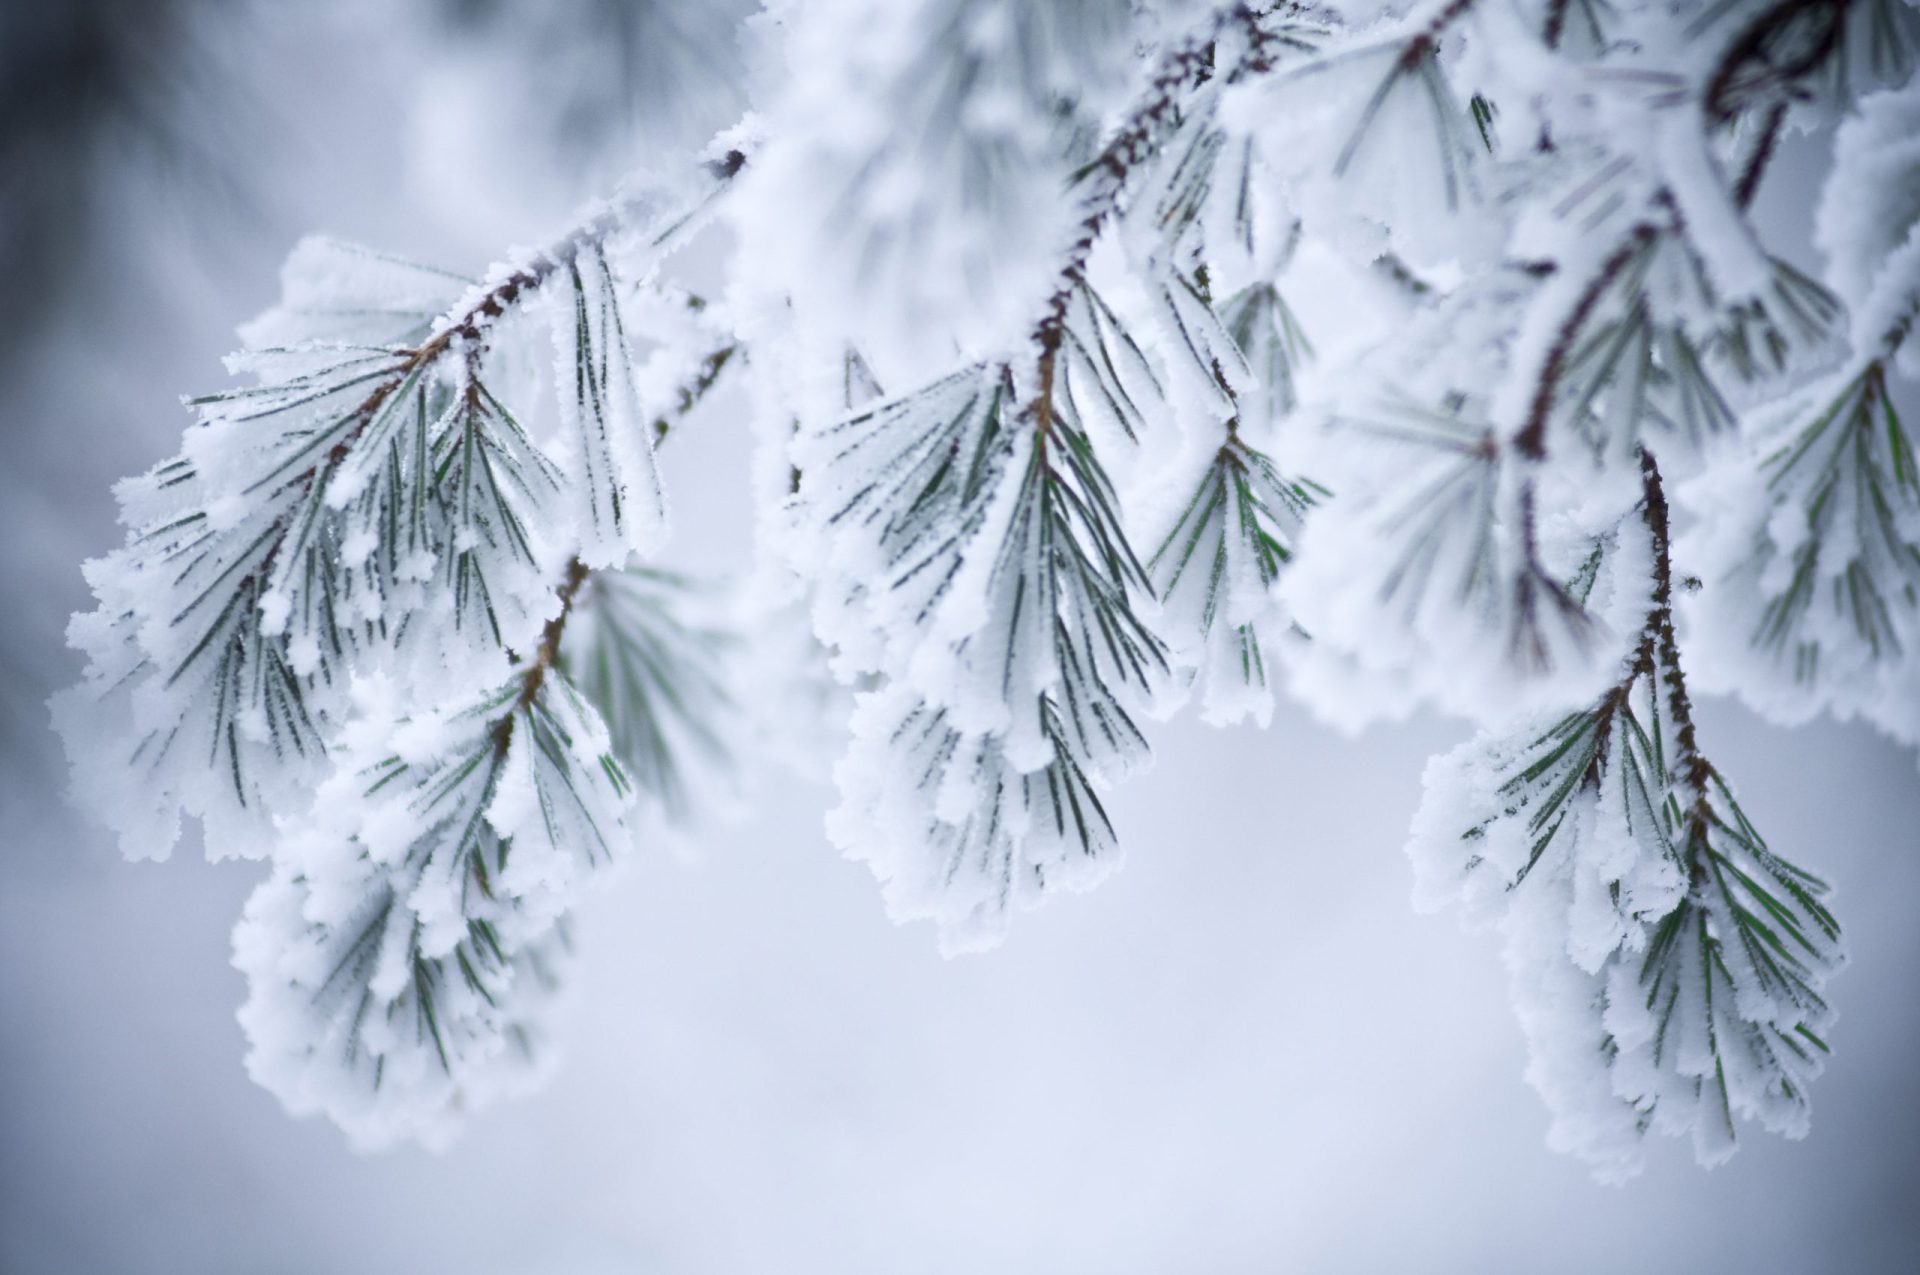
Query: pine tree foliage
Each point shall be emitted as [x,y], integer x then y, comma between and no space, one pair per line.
[642,652]
[287,648]
[1029,655]
[1015,608]
[1098,355]
[402,956]
[1811,535]
[1668,966]
[1270,338]
[1848,478]
[1217,569]
[359,506]
[626,508]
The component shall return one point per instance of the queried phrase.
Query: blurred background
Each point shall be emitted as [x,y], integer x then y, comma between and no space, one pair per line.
[1245,1053]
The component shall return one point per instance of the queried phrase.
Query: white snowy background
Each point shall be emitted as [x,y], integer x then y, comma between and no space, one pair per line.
[1243,1053]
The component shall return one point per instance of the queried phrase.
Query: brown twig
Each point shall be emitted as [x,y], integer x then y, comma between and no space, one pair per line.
[1694,769]
[470,326]
[544,656]
[1423,44]
[1749,184]
[1556,24]
[1531,441]
[1189,64]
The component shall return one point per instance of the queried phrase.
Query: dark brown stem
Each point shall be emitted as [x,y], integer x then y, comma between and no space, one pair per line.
[471,325]
[1556,25]
[1108,173]
[544,656]
[1663,660]
[1423,44]
[1749,184]
[1531,441]
[1043,397]
[1656,657]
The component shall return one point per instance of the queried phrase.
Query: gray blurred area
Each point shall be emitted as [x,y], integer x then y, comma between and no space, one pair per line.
[1244,1053]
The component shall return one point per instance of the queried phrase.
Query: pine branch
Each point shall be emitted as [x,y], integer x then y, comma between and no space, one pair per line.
[1217,567]
[368,606]
[1851,470]
[1530,441]
[1635,893]
[402,957]
[545,655]
[327,520]
[468,328]
[1101,185]
[943,493]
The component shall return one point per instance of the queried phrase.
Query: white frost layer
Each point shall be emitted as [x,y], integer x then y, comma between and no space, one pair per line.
[402,959]
[910,200]
[1650,998]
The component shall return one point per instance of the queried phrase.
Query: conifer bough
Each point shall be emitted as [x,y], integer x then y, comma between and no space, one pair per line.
[1023,301]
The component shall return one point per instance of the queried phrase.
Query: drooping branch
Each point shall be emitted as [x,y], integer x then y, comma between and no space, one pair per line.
[1656,647]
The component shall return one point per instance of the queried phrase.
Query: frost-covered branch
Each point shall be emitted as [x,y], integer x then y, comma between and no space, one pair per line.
[388,619]
[403,955]
[349,593]
[369,488]
[1667,965]
[1008,617]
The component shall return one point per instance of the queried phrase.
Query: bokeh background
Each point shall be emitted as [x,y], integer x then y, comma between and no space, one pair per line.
[1245,1053]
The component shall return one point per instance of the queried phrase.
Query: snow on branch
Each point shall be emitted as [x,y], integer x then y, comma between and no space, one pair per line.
[288,648]
[974,558]
[1667,966]
[369,502]
[1808,540]
[402,956]
[1097,355]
